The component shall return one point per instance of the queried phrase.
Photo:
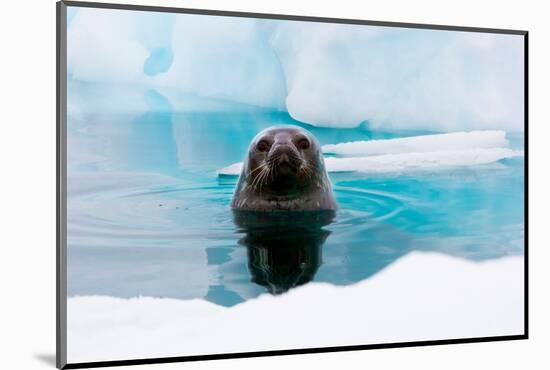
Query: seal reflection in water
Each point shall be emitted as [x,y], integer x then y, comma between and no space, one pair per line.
[283,199]
[284,248]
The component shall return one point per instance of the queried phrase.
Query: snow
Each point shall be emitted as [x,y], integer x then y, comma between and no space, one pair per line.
[422,296]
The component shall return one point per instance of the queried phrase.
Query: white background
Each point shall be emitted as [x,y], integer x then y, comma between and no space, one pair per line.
[27,155]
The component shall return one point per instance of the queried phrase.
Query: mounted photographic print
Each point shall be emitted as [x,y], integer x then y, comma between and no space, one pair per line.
[237,184]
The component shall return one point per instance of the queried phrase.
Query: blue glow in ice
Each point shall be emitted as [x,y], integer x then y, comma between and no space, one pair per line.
[159,61]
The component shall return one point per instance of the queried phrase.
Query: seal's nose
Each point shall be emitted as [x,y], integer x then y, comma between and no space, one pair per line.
[284,158]
[285,154]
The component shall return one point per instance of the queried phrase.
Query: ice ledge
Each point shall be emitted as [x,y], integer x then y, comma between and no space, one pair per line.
[422,296]
[420,144]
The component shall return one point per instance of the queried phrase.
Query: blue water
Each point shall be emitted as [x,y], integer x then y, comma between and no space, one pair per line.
[148,215]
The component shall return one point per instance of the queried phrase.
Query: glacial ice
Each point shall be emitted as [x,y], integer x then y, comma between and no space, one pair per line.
[102,46]
[329,75]
[223,58]
[341,75]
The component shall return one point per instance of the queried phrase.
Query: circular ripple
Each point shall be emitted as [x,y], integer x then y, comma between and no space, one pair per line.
[193,213]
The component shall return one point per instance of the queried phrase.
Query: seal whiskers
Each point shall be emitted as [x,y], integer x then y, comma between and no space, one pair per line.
[284,171]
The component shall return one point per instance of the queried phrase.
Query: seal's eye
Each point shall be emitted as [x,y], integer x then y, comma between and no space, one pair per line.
[303,144]
[262,146]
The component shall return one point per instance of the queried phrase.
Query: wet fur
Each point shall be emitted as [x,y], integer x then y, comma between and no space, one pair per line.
[265,185]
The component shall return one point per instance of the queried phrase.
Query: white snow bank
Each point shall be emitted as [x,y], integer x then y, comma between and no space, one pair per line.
[403,162]
[422,296]
[425,143]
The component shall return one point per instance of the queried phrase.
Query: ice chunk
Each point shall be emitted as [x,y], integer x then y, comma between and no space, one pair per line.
[445,298]
[425,143]
[419,161]
[234,169]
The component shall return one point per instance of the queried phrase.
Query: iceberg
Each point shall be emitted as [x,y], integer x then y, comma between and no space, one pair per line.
[223,58]
[445,298]
[328,75]
[342,75]
[95,39]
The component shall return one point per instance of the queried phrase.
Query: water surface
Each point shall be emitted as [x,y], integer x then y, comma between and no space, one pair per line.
[148,215]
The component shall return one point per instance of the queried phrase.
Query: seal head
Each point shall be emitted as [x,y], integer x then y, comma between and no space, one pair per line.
[284,171]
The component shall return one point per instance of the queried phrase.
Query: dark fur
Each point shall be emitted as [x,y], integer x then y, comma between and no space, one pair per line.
[285,176]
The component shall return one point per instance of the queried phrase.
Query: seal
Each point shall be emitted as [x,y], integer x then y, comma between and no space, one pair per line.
[284,170]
